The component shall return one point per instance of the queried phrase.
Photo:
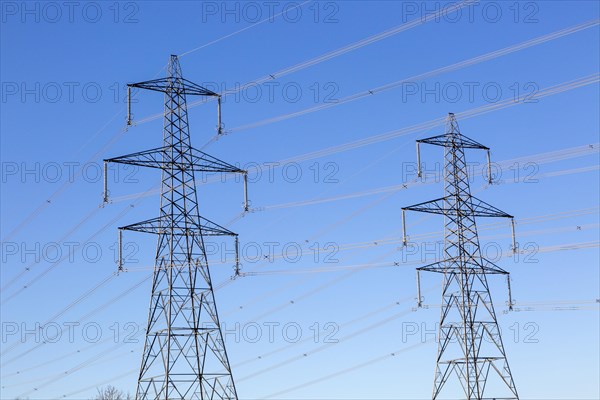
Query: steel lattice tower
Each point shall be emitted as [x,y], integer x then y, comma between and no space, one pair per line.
[184,353]
[470,348]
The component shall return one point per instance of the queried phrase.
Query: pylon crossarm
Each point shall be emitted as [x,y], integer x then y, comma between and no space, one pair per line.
[147,158]
[478,208]
[163,225]
[210,228]
[453,140]
[438,266]
[179,85]
[483,209]
[491,268]
[198,161]
[207,163]
[453,265]
[433,206]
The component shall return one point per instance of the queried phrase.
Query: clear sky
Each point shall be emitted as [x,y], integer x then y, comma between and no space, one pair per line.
[63,70]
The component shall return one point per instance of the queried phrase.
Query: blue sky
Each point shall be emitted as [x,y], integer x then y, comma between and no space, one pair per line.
[63,111]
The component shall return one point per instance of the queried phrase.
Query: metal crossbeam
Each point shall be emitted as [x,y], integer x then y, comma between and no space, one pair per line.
[174,84]
[453,265]
[478,208]
[162,158]
[457,140]
[161,225]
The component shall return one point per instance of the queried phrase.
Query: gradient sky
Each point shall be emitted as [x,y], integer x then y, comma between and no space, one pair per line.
[63,72]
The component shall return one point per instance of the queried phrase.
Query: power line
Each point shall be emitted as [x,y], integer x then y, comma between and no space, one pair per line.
[334,53]
[76,227]
[270,19]
[62,259]
[449,68]
[397,264]
[344,371]
[61,240]
[396,188]
[88,315]
[286,71]
[557,155]
[524,221]
[133,287]
[380,242]
[45,204]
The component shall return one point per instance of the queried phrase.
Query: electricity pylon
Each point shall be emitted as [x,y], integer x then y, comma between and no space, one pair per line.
[184,353]
[469,344]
